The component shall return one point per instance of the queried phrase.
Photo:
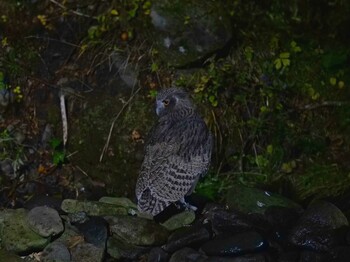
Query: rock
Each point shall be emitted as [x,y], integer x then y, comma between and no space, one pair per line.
[16,234]
[320,227]
[187,254]
[118,249]
[55,251]
[225,222]
[137,231]
[252,200]
[157,254]
[186,237]
[121,202]
[186,31]
[78,217]
[281,218]
[92,208]
[45,221]
[87,252]
[340,254]
[95,231]
[291,256]
[179,220]
[9,257]
[238,244]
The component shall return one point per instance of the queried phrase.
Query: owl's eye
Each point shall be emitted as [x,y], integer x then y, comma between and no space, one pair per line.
[166,102]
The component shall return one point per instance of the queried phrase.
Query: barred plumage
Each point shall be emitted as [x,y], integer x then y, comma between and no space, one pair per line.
[177,154]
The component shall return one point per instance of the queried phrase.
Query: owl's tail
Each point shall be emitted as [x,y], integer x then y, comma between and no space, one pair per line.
[150,204]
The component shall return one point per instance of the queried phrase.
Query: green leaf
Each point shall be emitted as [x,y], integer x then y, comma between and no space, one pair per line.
[278,63]
[333,81]
[55,143]
[284,55]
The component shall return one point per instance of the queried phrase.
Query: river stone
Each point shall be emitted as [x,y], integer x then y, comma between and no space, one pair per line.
[121,202]
[253,200]
[55,251]
[95,231]
[179,220]
[137,230]
[45,221]
[92,208]
[87,252]
[225,221]
[118,249]
[187,254]
[239,244]
[186,31]
[187,237]
[157,254]
[320,227]
[9,257]
[16,235]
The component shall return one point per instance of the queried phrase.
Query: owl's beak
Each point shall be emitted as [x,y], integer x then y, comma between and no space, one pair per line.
[159,107]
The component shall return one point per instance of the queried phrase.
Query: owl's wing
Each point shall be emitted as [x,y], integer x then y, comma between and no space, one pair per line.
[175,158]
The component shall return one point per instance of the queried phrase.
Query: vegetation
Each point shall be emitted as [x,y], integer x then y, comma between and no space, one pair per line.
[276,98]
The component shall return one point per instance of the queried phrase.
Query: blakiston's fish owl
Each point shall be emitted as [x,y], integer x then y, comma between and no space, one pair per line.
[177,154]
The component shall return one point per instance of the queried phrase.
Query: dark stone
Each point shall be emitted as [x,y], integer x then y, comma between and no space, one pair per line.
[187,254]
[252,200]
[281,218]
[187,31]
[95,231]
[320,228]
[239,244]
[55,251]
[120,249]
[157,254]
[225,222]
[137,231]
[187,237]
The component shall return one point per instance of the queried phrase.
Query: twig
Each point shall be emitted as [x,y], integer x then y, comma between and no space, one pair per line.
[64,118]
[323,104]
[72,11]
[104,150]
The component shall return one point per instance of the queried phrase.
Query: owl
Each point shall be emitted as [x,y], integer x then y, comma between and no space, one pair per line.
[177,153]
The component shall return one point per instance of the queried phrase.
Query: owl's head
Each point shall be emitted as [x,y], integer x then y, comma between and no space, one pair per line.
[171,100]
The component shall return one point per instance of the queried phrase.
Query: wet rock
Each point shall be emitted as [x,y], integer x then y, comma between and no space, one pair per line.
[16,234]
[121,202]
[281,218]
[245,258]
[291,256]
[87,252]
[187,254]
[119,249]
[239,244]
[55,251]
[92,208]
[179,220]
[320,227]
[186,31]
[157,254]
[224,221]
[95,231]
[252,200]
[45,221]
[9,257]
[187,237]
[137,231]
